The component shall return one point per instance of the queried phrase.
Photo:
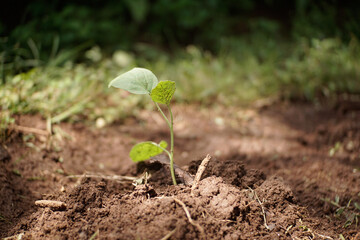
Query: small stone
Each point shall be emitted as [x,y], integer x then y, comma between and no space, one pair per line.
[100,123]
[350,146]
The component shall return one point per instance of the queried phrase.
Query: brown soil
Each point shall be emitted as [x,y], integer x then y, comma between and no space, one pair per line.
[272,170]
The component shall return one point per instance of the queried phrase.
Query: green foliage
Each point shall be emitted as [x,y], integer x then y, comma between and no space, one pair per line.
[73,92]
[119,24]
[350,212]
[163,92]
[240,74]
[19,58]
[325,19]
[145,150]
[322,67]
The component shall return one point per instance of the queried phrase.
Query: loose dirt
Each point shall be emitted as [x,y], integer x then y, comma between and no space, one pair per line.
[283,171]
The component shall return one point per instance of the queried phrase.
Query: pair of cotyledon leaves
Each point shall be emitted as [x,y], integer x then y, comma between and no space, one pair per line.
[143,81]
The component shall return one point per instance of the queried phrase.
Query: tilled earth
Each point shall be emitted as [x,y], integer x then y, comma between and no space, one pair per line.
[281,171]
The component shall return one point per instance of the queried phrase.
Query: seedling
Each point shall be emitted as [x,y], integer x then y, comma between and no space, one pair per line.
[143,81]
[349,212]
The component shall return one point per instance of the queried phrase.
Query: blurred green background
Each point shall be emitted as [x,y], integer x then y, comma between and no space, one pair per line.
[57,57]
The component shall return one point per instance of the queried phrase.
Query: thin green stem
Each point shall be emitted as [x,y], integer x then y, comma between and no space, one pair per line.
[170,124]
[163,114]
[164,149]
[172,145]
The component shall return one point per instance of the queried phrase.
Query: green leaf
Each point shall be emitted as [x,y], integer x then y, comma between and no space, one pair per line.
[145,150]
[349,222]
[163,92]
[137,80]
[339,211]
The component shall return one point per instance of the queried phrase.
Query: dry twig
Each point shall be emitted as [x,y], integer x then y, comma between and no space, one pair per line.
[199,173]
[112,177]
[30,130]
[167,236]
[324,236]
[262,209]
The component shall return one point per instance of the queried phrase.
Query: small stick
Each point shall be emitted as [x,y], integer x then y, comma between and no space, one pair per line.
[324,236]
[55,205]
[30,130]
[113,177]
[167,236]
[199,173]
[262,209]
[191,221]
[288,229]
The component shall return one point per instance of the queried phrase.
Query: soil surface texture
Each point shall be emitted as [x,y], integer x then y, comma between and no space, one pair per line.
[278,171]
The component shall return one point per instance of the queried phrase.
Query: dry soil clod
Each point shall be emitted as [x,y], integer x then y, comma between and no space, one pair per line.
[54,205]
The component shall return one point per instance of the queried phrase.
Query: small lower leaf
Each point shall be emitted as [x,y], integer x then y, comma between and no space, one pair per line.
[145,150]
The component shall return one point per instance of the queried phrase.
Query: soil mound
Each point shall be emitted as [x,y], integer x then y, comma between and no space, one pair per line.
[217,210]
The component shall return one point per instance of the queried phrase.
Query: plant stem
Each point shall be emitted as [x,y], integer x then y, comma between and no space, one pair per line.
[172,145]
[164,149]
[170,124]
[163,114]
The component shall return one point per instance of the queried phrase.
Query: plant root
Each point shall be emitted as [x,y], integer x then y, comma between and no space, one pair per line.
[191,221]
[199,173]
[54,205]
[262,208]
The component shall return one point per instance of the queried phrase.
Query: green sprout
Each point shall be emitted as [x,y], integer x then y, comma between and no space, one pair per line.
[351,213]
[143,81]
